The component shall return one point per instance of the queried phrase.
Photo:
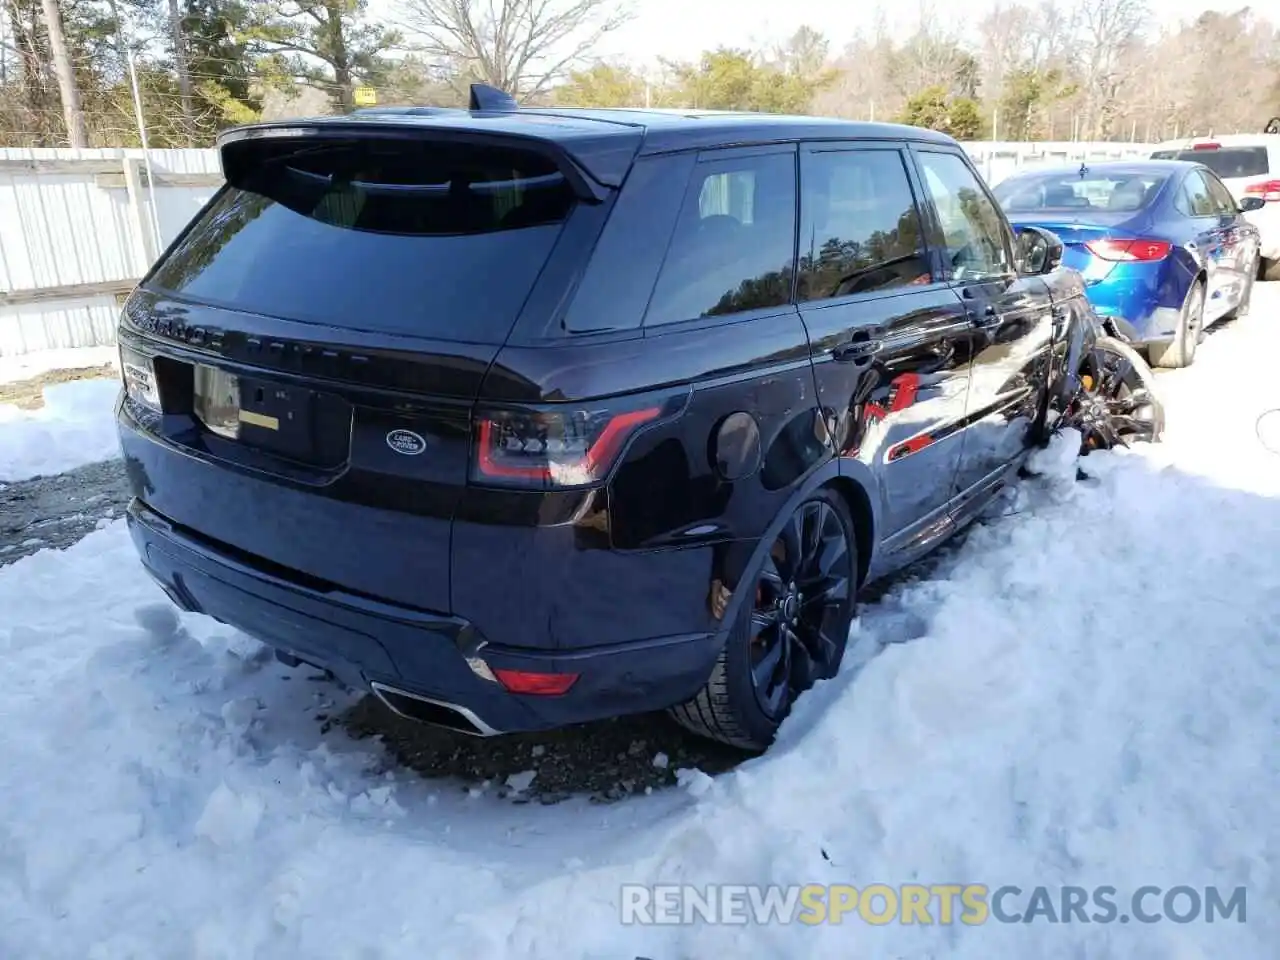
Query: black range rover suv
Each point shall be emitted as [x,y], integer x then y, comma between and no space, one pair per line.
[528,417]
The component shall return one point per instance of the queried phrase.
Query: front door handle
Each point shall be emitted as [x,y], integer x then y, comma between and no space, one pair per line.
[987,318]
[858,351]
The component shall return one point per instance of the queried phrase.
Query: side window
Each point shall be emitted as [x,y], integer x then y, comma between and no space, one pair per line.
[733,247]
[860,230]
[1224,205]
[1193,198]
[975,238]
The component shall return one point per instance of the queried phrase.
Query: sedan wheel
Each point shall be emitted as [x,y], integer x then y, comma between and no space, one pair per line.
[1181,350]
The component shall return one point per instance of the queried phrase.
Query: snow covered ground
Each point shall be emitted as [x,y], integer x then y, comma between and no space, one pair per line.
[1086,692]
[75,426]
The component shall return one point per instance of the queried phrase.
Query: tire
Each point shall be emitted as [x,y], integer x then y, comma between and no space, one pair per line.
[732,708]
[1181,350]
[1269,270]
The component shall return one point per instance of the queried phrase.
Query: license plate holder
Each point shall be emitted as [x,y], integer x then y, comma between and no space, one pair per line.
[276,417]
[265,414]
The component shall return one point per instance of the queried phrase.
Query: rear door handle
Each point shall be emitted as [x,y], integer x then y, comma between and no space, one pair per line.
[860,350]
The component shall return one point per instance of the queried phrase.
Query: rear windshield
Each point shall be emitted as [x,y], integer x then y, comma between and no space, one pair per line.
[438,240]
[1115,192]
[1226,162]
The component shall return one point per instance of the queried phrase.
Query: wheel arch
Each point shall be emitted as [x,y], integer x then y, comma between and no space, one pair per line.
[854,483]
[859,502]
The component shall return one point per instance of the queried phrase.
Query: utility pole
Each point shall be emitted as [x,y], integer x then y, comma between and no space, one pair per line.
[72,111]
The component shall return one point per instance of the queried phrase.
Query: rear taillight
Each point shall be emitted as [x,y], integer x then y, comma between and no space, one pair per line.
[1206,145]
[1131,250]
[557,447]
[139,375]
[1269,190]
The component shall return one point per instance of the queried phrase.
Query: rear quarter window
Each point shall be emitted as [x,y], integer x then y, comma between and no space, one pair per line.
[620,275]
[408,237]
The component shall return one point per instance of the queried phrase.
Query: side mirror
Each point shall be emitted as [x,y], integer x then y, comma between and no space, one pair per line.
[1036,250]
[1251,203]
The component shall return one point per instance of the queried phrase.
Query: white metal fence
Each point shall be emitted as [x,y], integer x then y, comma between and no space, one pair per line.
[78,228]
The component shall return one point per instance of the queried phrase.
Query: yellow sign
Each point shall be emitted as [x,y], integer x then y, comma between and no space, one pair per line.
[365,97]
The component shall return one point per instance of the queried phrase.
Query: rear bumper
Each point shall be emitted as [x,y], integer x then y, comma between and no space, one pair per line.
[366,642]
[1144,301]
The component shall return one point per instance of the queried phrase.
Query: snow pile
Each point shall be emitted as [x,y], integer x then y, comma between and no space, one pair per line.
[1083,693]
[75,426]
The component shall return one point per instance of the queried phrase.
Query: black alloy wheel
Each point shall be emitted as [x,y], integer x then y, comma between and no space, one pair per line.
[1116,404]
[790,630]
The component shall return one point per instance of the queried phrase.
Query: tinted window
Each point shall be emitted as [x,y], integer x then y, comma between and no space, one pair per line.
[733,245]
[860,230]
[406,237]
[974,235]
[1193,198]
[1117,192]
[615,289]
[1223,203]
[1225,161]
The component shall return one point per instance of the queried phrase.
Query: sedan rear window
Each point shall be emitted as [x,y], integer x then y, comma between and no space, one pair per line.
[1226,162]
[434,239]
[1115,192]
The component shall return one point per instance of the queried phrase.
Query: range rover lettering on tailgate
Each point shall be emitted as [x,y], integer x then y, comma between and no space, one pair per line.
[527,417]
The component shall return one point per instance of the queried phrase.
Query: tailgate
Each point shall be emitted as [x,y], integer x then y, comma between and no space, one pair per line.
[321,333]
[340,464]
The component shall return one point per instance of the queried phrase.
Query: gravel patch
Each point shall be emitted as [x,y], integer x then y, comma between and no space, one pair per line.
[605,761]
[54,512]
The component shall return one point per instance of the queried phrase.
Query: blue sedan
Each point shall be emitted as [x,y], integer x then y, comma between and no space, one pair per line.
[1162,245]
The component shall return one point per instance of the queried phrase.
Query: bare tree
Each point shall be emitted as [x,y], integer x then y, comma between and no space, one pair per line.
[179,41]
[72,111]
[6,47]
[863,89]
[1110,31]
[803,54]
[521,46]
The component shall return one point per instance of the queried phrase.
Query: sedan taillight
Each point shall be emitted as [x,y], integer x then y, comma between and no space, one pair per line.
[1128,250]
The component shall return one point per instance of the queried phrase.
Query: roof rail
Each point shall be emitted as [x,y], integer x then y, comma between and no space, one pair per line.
[491,99]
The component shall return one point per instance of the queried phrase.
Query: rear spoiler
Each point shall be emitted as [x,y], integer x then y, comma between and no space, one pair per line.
[594,166]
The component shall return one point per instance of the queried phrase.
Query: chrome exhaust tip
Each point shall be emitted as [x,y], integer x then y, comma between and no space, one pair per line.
[435,713]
